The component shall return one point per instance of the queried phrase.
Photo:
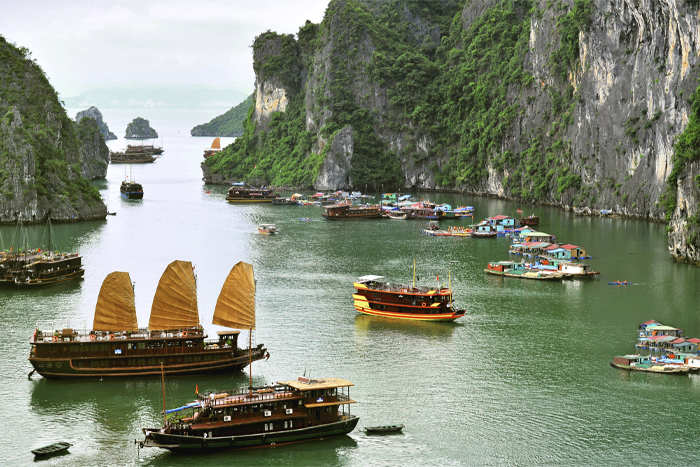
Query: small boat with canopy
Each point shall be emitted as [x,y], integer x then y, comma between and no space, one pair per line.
[117,347]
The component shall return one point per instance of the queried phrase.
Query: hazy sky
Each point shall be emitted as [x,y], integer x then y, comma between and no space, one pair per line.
[89,44]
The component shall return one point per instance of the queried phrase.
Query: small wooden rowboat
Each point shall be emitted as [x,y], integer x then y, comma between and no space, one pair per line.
[620,283]
[52,449]
[384,429]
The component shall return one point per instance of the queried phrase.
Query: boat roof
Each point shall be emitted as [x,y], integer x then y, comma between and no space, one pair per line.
[228,332]
[313,384]
[662,327]
[267,225]
[694,340]
[680,340]
[499,217]
[368,278]
[538,234]
[651,321]
[569,247]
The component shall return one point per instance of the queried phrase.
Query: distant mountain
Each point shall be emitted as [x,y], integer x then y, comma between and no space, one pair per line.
[95,114]
[228,124]
[140,128]
[156,96]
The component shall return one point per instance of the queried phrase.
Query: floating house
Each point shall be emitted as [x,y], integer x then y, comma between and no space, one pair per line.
[501,222]
[539,237]
[575,252]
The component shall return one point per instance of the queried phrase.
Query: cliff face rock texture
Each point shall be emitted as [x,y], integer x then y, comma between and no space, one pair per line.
[685,221]
[577,103]
[94,153]
[94,113]
[140,128]
[41,154]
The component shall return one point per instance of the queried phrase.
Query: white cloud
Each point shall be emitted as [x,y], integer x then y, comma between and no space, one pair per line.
[87,44]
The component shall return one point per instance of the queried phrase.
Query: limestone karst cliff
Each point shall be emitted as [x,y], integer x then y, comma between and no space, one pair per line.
[94,153]
[94,113]
[42,155]
[227,124]
[140,128]
[576,103]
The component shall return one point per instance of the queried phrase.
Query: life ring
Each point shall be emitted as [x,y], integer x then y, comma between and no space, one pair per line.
[423,304]
[111,337]
[545,262]
[92,337]
[55,339]
[184,333]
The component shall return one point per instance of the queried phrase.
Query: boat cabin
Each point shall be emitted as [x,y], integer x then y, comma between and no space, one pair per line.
[502,222]
[505,266]
[539,237]
[575,252]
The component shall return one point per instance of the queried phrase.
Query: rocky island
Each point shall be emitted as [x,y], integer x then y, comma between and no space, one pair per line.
[576,104]
[94,113]
[45,157]
[228,124]
[140,128]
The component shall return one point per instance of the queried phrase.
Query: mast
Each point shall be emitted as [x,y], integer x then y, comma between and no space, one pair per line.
[414,273]
[449,285]
[162,375]
[250,359]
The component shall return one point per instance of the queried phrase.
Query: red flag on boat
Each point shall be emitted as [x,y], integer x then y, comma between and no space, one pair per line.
[196,390]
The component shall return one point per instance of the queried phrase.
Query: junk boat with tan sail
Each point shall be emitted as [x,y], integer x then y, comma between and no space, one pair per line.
[215,148]
[286,412]
[117,347]
[36,267]
[404,301]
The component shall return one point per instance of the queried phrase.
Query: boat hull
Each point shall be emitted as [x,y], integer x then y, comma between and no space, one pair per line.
[39,282]
[195,443]
[249,200]
[66,368]
[138,195]
[658,369]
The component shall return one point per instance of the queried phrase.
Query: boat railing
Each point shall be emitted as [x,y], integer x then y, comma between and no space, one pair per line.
[244,395]
[69,331]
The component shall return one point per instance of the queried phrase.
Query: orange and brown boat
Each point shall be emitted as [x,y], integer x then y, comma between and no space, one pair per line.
[404,301]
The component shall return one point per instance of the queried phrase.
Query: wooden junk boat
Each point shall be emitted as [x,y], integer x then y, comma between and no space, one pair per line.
[144,149]
[131,190]
[346,211]
[116,347]
[376,298]
[130,158]
[215,147]
[243,193]
[36,267]
[289,411]
[530,220]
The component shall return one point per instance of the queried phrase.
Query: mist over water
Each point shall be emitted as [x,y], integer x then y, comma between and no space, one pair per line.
[523,378]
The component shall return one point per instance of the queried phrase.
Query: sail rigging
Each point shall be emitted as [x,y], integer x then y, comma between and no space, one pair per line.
[235,307]
[116,309]
[175,301]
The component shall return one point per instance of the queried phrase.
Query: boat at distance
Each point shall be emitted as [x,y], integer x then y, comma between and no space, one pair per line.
[268,229]
[404,301]
[530,220]
[117,347]
[286,412]
[519,271]
[130,158]
[384,429]
[215,148]
[241,192]
[52,449]
[646,364]
[131,190]
[144,149]
[347,211]
[27,267]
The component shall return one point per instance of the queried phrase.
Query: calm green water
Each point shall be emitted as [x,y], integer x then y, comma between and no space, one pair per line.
[522,379]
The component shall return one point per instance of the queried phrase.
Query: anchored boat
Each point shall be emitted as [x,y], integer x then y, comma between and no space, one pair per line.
[243,193]
[117,347]
[36,267]
[52,449]
[346,211]
[288,411]
[404,301]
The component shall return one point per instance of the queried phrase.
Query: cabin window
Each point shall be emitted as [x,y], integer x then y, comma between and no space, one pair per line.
[104,347]
[188,359]
[104,363]
[151,361]
[94,347]
[142,361]
[268,426]
[94,363]
[142,345]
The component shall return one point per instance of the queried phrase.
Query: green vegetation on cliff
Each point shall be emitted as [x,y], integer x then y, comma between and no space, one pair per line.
[227,124]
[461,87]
[687,150]
[36,133]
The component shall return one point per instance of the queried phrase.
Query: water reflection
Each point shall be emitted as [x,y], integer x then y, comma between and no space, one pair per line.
[365,326]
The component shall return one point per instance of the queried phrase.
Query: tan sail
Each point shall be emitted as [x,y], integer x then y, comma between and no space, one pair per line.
[235,307]
[216,144]
[115,309]
[175,301]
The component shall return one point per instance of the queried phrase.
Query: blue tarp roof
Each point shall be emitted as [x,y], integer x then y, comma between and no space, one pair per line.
[401,198]
[188,406]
